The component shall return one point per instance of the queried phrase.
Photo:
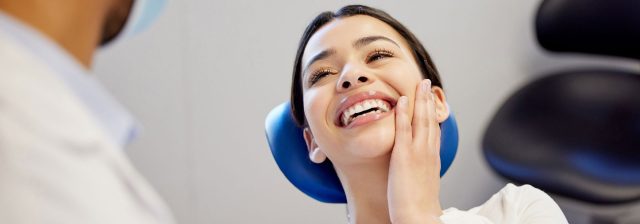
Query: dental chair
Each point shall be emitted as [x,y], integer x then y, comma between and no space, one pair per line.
[576,133]
[320,181]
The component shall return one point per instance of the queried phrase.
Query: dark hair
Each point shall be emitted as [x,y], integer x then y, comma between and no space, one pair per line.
[421,56]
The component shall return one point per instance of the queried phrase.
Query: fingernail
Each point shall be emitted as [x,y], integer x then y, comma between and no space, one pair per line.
[423,85]
[426,85]
[402,101]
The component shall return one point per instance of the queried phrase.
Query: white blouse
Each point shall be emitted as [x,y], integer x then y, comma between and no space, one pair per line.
[511,205]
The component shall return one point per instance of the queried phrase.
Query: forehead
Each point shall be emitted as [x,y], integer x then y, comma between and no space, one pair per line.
[342,32]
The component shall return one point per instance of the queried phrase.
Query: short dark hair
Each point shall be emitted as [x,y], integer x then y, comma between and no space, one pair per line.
[421,56]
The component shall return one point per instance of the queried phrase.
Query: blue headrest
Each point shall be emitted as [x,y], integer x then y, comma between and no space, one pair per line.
[320,181]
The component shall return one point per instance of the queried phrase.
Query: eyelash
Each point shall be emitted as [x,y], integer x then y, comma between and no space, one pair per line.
[376,54]
[316,76]
[373,56]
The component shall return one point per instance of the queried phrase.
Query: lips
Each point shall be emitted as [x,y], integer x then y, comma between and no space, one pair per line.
[363,107]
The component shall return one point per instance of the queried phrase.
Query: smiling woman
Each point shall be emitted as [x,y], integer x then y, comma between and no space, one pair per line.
[370,100]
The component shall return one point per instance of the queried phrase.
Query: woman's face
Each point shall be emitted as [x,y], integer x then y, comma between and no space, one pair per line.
[353,71]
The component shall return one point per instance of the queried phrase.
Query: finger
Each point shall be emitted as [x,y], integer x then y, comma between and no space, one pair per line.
[403,126]
[433,125]
[436,148]
[421,114]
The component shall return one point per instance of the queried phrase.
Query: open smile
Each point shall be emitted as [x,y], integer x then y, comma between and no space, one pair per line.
[363,107]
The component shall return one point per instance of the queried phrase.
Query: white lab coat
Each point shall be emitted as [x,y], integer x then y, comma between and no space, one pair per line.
[56,164]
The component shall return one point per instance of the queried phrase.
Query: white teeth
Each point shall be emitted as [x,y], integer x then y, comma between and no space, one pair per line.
[359,107]
[382,106]
[345,118]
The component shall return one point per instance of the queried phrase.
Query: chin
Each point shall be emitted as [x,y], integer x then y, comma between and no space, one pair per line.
[373,140]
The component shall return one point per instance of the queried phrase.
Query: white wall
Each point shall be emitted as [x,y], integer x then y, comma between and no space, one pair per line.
[202,80]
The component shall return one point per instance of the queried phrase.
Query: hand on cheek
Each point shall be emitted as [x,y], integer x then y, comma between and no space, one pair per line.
[414,169]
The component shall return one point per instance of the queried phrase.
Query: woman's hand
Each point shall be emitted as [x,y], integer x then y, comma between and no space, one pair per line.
[414,170]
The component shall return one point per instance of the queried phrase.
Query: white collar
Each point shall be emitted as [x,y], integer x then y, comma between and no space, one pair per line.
[116,121]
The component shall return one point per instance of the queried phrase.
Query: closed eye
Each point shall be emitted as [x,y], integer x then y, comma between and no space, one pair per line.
[319,74]
[378,54]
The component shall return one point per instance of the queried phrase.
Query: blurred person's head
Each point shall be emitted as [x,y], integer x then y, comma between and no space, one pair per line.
[115,19]
[79,26]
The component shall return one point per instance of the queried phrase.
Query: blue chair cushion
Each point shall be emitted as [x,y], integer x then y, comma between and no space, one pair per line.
[320,181]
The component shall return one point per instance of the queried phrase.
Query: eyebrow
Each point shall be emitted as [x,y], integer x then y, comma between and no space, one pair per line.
[322,55]
[364,41]
[367,40]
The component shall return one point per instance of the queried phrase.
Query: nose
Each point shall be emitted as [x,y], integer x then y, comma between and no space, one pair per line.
[353,80]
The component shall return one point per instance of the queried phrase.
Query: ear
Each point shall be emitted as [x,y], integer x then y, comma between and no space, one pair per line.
[315,154]
[442,108]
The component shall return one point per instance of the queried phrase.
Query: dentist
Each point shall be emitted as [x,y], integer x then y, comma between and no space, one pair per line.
[61,133]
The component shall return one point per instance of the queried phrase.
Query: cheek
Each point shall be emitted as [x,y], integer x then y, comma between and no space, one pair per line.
[315,106]
[403,77]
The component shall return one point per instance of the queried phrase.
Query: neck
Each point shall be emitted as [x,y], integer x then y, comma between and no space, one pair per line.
[75,25]
[366,188]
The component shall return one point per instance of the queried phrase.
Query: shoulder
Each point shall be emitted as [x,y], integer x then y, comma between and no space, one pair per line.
[512,195]
[519,204]
[525,194]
